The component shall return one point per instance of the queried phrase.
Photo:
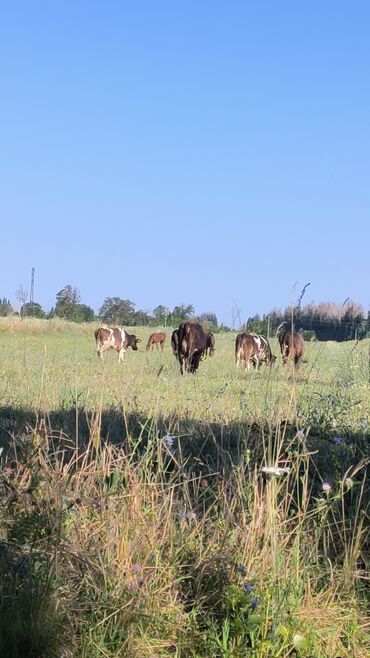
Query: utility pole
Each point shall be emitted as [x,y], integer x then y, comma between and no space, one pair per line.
[32,288]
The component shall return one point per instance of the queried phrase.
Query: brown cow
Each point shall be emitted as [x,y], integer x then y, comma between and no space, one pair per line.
[291,343]
[252,349]
[175,341]
[114,339]
[210,349]
[192,345]
[157,339]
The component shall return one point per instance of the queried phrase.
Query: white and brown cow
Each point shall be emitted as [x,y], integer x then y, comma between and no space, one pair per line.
[114,339]
[252,349]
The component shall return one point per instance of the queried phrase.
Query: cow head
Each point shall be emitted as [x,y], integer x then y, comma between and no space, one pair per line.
[133,342]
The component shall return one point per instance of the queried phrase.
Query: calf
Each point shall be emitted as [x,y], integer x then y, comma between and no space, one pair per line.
[157,339]
[114,339]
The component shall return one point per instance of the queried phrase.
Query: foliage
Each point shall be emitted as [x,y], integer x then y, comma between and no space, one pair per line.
[325,321]
[5,307]
[32,309]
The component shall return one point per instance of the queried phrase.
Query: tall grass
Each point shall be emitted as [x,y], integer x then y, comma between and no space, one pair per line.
[190,517]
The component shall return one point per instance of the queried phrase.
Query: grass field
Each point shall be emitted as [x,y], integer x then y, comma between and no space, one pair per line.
[136,519]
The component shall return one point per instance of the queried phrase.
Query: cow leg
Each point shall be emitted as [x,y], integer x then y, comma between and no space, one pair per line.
[101,349]
[120,354]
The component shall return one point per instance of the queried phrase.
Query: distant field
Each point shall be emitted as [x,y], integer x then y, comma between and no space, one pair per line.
[46,365]
[135,501]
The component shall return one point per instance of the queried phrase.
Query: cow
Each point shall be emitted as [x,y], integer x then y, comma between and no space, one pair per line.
[291,343]
[210,349]
[191,347]
[114,339]
[175,341]
[157,339]
[252,349]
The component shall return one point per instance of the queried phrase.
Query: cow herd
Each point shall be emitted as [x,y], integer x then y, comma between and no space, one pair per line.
[190,344]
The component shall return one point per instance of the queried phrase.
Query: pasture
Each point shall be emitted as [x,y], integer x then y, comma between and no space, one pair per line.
[136,517]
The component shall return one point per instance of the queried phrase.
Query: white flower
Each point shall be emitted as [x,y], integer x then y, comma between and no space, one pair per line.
[349,483]
[326,487]
[275,470]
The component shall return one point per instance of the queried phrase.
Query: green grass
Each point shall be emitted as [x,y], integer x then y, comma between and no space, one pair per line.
[112,544]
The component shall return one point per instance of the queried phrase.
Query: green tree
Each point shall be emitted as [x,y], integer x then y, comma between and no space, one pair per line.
[67,300]
[33,310]
[161,314]
[5,307]
[182,313]
[117,311]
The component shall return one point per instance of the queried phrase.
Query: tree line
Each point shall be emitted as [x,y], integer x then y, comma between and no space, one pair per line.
[114,310]
[324,321]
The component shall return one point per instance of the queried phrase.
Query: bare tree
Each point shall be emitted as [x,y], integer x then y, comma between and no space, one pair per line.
[22,297]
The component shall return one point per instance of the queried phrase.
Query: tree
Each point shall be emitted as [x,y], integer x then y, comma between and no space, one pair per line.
[182,313]
[32,309]
[5,307]
[67,300]
[208,320]
[22,296]
[83,313]
[161,314]
[117,311]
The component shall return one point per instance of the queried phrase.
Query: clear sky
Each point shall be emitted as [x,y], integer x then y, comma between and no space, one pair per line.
[206,152]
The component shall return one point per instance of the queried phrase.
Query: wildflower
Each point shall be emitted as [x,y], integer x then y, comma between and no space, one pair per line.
[96,504]
[337,440]
[255,603]
[182,514]
[248,588]
[136,567]
[364,423]
[326,487]
[275,470]
[349,483]
[241,569]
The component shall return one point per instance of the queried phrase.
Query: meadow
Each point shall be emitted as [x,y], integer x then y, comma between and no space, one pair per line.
[145,514]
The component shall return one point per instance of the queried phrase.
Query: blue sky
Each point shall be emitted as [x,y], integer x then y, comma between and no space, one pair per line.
[186,152]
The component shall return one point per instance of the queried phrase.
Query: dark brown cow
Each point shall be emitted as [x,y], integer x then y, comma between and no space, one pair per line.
[252,349]
[210,349]
[192,345]
[175,341]
[114,339]
[291,343]
[157,339]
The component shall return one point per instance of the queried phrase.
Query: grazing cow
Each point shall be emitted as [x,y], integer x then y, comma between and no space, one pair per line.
[291,343]
[175,341]
[192,345]
[251,348]
[158,340]
[114,339]
[210,349]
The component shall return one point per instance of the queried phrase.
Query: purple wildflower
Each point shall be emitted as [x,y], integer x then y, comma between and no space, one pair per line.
[337,440]
[241,569]
[255,603]
[136,567]
[248,588]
